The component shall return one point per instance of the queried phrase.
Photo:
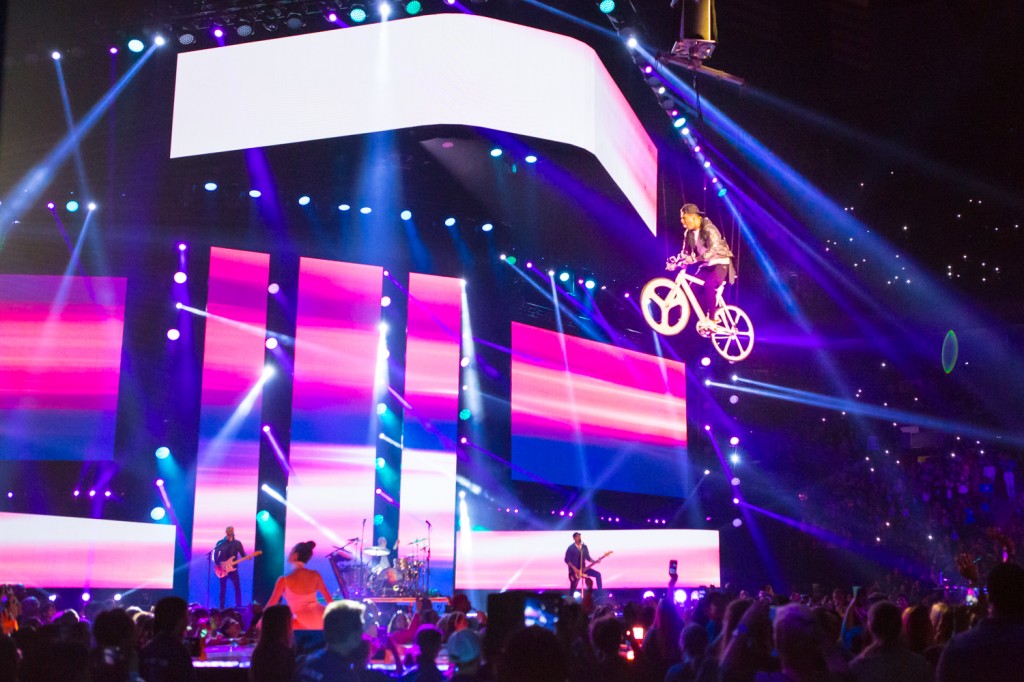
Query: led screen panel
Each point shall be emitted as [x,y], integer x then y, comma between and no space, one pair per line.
[227,468]
[592,415]
[60,366]
[87,553]
[431,422]
[439,69]
[334,428]
[534,560]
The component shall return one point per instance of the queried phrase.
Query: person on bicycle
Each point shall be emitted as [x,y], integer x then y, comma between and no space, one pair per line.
[704,244]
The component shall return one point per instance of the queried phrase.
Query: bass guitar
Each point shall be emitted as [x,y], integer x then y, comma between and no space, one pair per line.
[231,565]
[576,573]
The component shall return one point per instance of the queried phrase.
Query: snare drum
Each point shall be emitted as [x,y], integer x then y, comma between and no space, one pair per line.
[402,564]
[391,576]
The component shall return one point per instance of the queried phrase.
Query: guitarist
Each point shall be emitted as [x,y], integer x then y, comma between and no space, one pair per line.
[578,559]
[227,549]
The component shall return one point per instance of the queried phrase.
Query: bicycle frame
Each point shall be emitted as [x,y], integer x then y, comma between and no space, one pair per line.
[683,280]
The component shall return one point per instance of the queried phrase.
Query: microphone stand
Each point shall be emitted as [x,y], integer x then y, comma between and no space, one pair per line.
[429,526]
[209,570]
[362,539]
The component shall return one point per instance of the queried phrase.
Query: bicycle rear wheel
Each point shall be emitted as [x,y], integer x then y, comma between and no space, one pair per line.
[734,338]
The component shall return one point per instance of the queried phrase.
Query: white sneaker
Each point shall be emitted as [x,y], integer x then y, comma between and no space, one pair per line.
[705,327]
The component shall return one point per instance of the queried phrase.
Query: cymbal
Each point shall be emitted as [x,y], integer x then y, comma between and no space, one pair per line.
[418,541]
[376,551]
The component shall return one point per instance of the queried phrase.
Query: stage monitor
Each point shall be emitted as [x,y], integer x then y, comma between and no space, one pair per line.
[534,559]
[595,416]
[60,366]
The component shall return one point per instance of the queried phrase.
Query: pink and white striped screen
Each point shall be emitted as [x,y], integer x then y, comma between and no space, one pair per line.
[592,415]
[430,427]
[334,428]
[85,552]
[227,468]
[60,365]
[534,560]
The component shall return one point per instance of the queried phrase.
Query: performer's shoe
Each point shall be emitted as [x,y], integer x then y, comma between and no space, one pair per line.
[706,327]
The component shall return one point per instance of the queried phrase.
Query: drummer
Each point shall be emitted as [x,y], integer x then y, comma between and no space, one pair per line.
[383,560]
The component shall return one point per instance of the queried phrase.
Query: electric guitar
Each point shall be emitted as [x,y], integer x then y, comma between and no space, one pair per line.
[223,568]
[576,573]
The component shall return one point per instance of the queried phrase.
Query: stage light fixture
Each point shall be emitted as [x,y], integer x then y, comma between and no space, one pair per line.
[606,6]
[487,227]
[255,193]
[685,131]
[182,246]
[51,205]
[173,334]
[733,399]
[736,523]
[55,55]
[244,28]
[158,513]
[381,463]
[464,362]
[271,343]
[705,361]
[696,149]
[210,187]
[159,41]
[707,472]
[113,50]
[332,17]
[344,207]
[159,484]
[135,45]
[385,10]
[449,222]
[184,38]
[71,206]
[511,260]
[530,158]
[631,42]
[274,289]
[106,493]
[76,493]
[91,206]
[722,192]
[366,210]
[734,458]
[357,14]
[382,409]
[464,414]
[180,277]
[162,452]
[294,21]
[563,277]
[734,441]
[263,516]
[735,481]
[218,32]
[496,152]
[413,7]
[707,164]
[385,301]
[86,596]
[304,200]
[405,215]
[590,284]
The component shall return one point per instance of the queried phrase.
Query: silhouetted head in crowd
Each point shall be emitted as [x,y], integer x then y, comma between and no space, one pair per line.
[428,639]
[533,655]
[114,628]
[693,641]
[606,634]
[798,638]
[276,626]
[884,624]
[343,625]
[302,552]
[170,617]
[917,629]
[1006,591]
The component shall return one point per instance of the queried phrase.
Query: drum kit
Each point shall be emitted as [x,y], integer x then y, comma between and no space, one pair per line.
[368,573]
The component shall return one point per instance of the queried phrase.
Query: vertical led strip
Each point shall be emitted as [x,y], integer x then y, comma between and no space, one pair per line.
[227,469]
[432,391]
[334,433]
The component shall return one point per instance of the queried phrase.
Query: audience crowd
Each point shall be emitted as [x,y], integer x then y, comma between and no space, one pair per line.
[725,634]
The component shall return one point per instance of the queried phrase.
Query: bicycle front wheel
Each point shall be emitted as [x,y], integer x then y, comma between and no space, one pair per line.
[665,310]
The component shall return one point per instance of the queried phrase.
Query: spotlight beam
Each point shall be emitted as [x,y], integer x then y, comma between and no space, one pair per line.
[871,411]
[328,533]
[26,192]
